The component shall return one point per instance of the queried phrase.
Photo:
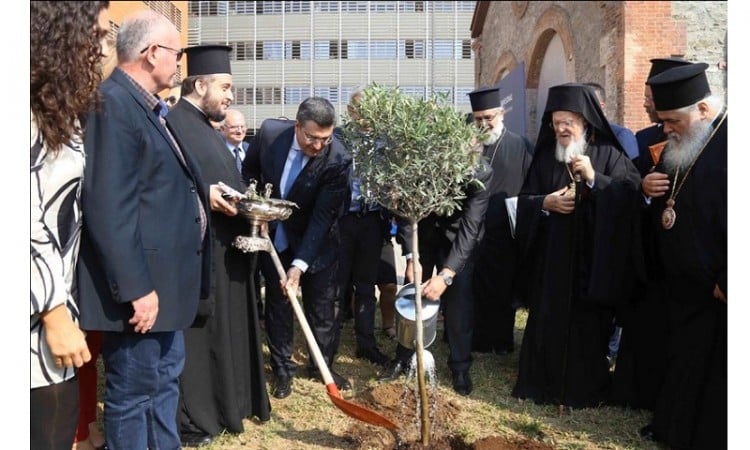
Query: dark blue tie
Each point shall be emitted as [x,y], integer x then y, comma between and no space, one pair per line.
[238,159]
[280,241]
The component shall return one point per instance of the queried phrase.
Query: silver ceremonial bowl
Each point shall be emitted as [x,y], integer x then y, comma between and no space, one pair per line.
[259,210]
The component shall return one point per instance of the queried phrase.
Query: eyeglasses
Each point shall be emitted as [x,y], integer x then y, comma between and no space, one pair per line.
[313,139]
[236,127]
[562,124]
[482,119]
[177,51]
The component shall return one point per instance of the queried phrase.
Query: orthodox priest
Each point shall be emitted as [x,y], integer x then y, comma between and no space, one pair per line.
[576,214]
[641,365]
[223,380]
[494,276]
[687,196]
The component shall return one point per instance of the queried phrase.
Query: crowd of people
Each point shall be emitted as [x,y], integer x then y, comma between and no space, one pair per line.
[132,256]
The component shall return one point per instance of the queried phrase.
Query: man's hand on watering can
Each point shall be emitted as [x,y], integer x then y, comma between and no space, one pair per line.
[433,288]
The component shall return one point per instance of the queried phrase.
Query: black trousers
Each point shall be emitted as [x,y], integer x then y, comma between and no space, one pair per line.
[54,415]
[359,257]
[494,291]
[319,293]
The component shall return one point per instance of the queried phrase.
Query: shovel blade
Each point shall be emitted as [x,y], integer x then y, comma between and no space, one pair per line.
[357,411]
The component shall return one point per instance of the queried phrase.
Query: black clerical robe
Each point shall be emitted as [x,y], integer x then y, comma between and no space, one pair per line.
[496,265]
[691,409]
[575,268]
[223,381]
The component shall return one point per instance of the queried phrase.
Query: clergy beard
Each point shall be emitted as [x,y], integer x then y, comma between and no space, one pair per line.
[212,108]
[563,154]
[494,134]
[682,150]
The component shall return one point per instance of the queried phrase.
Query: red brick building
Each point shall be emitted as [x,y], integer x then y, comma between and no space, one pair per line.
[607,42]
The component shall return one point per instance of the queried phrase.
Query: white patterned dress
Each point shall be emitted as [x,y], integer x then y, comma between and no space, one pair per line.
[55,234]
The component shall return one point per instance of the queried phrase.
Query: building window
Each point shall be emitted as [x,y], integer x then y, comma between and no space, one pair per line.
[326,7]
[297,50]
[242,8]
[268,96]
[354,6]
[442,6]
[329,93]
[462,94]
[357,49]
[412,49]
[442,48]
[419,6]
[322,49]
[295,95]
[381,6]
[243,50]
[383,49]
[274,7]
[296,7]
[466,49]
[333,50]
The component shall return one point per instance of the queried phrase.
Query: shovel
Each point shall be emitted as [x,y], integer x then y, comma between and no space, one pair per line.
[351,409]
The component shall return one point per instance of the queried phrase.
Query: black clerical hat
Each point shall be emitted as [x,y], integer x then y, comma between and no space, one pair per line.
[578,98]
[484,98]
[679,86]
[208,59]
[659,65]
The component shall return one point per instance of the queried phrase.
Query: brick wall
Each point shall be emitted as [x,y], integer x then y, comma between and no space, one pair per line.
[610,43]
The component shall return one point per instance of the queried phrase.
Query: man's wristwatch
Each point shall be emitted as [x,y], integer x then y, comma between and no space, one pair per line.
[447,279]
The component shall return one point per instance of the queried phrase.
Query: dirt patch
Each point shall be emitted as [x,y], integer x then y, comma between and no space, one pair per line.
[399,403]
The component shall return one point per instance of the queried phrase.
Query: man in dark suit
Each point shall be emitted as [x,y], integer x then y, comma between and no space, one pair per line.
[233,129]
[308,166]
[143,260]
[223,381]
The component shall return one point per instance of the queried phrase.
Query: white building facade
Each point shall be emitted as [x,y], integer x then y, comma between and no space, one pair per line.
[286,51]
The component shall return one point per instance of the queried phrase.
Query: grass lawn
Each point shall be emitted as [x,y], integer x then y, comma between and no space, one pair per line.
[308,420]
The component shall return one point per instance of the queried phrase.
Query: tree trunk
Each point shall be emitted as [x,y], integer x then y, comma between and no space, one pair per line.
[424,403]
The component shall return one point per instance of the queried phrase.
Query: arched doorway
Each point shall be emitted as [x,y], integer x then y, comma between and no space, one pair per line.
[553,71]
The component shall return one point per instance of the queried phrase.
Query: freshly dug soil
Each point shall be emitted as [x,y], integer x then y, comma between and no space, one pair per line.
[398,402]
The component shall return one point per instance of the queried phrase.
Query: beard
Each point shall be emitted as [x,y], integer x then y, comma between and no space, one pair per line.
[212,109]
[682,150]
[576,147]
[494,134]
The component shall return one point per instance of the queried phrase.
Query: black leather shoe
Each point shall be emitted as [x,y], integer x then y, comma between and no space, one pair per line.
[462,383]
[195,439]
[647,433]
[373,354]
[341,382]
[393,369]
[282,386]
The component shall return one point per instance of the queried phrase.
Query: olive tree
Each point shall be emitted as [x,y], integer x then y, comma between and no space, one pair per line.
[414,157]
